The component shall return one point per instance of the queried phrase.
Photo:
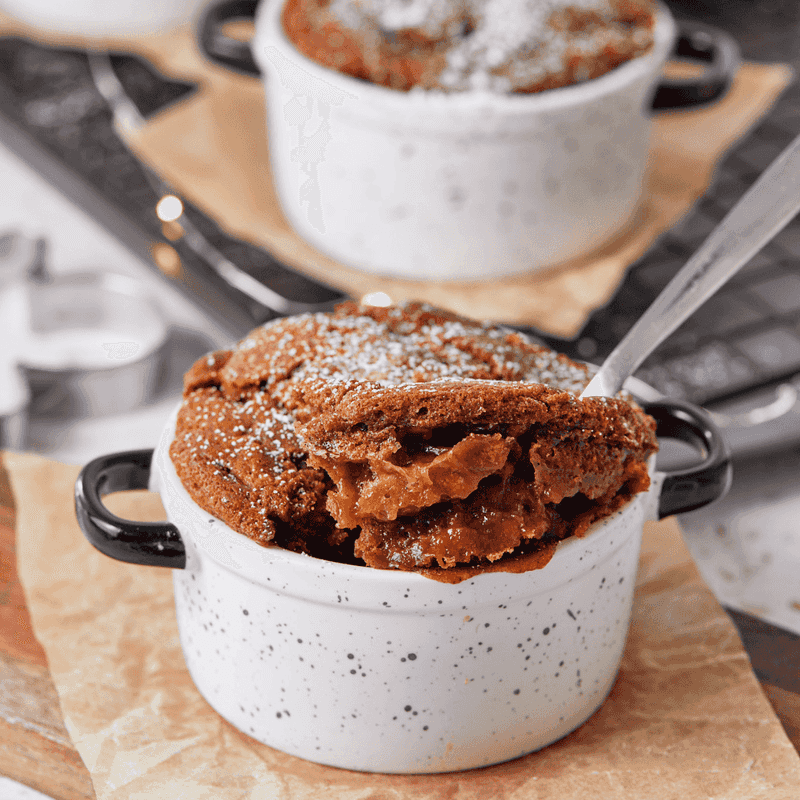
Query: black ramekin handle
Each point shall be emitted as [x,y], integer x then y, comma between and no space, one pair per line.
[696,486]
[155,544]
[221,48]
[712,47]
[160,544]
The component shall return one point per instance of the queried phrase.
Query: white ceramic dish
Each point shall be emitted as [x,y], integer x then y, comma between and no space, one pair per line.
[95,344]
[388,671]
[462,186]
[99,19]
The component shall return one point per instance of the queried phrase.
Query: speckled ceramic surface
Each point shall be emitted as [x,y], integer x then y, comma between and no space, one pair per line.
[466,186]
[393,672]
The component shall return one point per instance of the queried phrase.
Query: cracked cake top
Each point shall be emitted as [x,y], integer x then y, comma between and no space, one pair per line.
[405,438]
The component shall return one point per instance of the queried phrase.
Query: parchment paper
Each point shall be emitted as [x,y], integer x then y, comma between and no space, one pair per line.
[212,148]
[686,718]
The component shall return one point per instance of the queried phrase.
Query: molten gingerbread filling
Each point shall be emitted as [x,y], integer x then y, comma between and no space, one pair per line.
[405,438]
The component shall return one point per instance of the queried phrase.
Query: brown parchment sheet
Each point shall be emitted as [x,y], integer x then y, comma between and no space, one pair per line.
[686,718]
[213,149]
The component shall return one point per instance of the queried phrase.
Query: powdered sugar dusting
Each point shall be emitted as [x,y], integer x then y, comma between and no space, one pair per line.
[505,45]
[397,351]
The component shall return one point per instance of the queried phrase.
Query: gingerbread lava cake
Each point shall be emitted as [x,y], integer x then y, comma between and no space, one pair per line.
[503,46]
[405,438]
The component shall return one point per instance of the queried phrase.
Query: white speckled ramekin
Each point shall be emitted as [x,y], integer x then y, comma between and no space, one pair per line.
[464,186]
[388,671]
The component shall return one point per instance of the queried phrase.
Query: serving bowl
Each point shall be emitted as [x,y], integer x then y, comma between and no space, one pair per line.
[391,671]
[465,186]
[96,344]
[94,20]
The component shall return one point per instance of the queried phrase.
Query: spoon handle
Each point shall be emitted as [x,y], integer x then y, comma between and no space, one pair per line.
[760,214]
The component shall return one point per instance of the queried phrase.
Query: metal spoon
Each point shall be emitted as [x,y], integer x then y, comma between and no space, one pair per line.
[764,210]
